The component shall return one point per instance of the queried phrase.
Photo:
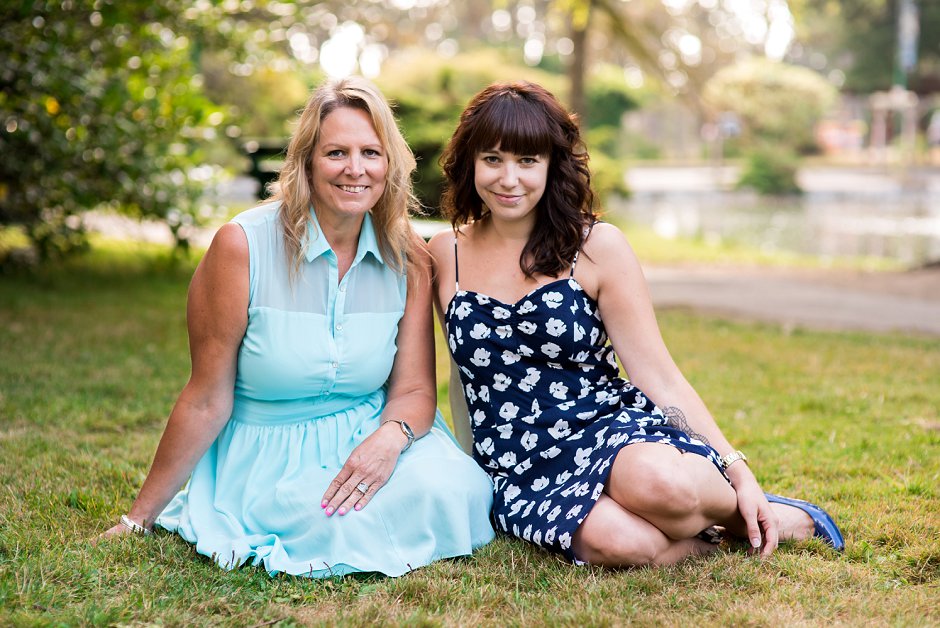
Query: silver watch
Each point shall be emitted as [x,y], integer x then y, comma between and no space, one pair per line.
[406,430]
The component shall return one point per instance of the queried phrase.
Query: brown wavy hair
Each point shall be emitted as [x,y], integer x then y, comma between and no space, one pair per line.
[525,119]
[393,231]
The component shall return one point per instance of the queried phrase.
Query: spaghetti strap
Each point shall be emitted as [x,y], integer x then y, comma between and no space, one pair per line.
[456,266]
[574,262]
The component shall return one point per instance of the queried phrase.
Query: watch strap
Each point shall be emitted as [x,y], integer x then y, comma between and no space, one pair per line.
[406,430]
[734,456]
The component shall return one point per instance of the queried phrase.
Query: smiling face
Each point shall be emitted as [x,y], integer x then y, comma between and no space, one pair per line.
[510,185]
[348,167]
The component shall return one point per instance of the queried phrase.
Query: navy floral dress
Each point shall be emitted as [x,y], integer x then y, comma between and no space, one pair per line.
[548,410]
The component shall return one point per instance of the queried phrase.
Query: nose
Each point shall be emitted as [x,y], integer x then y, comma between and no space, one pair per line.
[354,166]
[508,176]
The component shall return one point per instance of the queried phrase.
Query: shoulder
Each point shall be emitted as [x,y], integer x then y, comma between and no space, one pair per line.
[230,240]
[606,241]
[221,279]
[258,215]
[441,244]
[608,259]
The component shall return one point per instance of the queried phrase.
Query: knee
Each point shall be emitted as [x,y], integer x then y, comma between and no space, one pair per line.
[665,491]
[617,551]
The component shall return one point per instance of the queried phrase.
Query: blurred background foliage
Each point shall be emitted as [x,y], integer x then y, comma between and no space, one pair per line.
[142,106]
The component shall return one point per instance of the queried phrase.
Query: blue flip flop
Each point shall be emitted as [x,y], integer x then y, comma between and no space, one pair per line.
[826,527]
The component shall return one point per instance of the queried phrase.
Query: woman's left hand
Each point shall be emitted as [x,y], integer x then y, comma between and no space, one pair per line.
[762,526]
[369,466]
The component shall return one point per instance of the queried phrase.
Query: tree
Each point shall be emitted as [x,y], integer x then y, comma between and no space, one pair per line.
[777,102]
[857,41]
[100,104]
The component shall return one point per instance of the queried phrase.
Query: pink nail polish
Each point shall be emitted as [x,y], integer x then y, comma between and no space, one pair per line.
[324,503]
[329,511]
[358,506]
[341,512]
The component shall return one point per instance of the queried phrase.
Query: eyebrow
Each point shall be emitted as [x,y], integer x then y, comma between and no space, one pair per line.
[344,145]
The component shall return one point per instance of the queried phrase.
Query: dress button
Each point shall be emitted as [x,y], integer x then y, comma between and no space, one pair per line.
[342,288]
[339,327]
[335,365]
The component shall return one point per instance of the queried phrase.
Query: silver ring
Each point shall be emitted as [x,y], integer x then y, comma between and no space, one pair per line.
[362,487]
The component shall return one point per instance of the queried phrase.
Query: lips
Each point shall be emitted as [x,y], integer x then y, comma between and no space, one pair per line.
[507,199]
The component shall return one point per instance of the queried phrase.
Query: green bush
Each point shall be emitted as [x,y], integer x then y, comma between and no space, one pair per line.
[102,104]
[428,94]
[776,102]
[770,171]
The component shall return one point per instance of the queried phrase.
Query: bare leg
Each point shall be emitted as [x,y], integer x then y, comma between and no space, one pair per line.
[795,525]
[683,493]
[613,537]
[679,493]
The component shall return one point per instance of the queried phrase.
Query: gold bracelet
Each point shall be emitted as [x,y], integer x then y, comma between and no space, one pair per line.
[734,456]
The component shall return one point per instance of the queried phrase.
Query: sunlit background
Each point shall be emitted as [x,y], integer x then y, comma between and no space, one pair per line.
[798,125]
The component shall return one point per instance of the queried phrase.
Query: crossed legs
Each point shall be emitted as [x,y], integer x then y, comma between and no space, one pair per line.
[657,499]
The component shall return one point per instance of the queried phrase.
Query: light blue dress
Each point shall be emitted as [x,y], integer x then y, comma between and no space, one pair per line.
[310,387]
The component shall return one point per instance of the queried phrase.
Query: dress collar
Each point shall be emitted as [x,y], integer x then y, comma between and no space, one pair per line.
[318,245]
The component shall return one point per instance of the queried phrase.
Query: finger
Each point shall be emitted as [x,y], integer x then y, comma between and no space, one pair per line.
[366,497]
[339,498]
[116,530]
[358,498]
[771,534]
[347,495]
[335,485]
[754,535]
[350,502]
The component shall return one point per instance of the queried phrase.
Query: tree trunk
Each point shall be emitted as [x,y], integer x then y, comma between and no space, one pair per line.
[578,66]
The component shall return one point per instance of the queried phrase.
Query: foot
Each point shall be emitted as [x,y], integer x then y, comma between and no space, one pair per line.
[795,524]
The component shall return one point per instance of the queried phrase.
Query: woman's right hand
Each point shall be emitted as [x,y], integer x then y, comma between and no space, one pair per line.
[116,530]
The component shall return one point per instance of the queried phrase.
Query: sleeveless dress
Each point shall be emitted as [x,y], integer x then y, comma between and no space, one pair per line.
[548,410]
[310,386]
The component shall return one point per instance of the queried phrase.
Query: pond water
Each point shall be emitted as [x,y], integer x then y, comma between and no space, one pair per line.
[842,212]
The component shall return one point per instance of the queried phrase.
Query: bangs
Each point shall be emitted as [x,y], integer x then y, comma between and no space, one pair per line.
[514,125]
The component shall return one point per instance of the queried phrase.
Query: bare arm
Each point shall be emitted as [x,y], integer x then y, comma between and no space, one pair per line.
[412,397]
[217,316]
[626,308]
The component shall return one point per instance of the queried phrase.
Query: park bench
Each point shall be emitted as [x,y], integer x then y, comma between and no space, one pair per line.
[267,157]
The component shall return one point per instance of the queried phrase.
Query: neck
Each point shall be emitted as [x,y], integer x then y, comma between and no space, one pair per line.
[510,231]
[341,232]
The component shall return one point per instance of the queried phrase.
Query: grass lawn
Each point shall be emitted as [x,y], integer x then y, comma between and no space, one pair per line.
[93,353]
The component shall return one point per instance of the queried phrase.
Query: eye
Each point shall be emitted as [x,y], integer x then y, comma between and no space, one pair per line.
[372,152]
[335,153]
[490,159]
[528,161]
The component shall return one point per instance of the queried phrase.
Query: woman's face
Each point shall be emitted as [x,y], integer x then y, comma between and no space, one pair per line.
[348,166]
[510,184]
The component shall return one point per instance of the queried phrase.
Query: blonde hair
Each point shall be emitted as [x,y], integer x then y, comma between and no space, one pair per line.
[390,214]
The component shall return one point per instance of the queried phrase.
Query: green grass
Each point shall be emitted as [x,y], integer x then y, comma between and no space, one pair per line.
[93,353]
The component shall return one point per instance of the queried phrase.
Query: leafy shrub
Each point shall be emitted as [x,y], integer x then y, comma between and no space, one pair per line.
[770,171]
[777,102]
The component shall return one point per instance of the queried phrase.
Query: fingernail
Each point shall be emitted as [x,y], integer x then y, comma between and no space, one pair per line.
[358,506]
[755,543]
[329,511]
[341,511]
[324,503]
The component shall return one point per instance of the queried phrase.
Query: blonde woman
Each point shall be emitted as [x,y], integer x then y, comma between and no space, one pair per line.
[308,429]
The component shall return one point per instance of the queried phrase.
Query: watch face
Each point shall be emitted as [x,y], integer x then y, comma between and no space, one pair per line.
[407,430]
